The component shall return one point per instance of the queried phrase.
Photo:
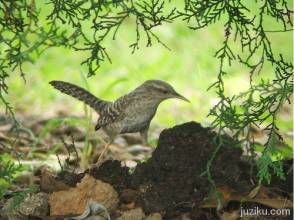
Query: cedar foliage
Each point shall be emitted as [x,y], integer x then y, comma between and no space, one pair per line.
[26,33]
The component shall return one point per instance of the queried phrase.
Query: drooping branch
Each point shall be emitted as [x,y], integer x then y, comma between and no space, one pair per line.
[85,25]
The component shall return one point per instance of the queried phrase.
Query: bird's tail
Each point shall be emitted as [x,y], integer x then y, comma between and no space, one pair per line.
[81,94]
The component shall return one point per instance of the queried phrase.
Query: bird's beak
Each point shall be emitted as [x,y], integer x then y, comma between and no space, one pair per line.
[178,96]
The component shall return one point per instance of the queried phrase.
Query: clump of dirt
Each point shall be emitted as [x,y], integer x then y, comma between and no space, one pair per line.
[173,180]
[70,178]
[111,172]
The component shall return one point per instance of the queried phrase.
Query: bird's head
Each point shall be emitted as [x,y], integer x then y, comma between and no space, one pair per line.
[160,90]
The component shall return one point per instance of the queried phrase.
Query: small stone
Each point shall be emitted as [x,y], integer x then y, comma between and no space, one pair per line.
[49,183]
[154,216]
[74,200]
[132,214]
[35,205]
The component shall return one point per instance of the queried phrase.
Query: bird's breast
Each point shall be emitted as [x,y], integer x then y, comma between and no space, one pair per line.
[137,116]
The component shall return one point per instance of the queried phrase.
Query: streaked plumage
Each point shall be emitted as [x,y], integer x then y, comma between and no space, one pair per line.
[130,113]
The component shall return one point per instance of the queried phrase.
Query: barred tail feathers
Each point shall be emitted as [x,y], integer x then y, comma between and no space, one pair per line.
[79,93]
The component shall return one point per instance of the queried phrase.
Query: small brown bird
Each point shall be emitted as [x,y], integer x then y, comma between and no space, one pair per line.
[130,113]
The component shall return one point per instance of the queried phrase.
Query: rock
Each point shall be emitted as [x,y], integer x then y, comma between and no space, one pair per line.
[129,196]
[9,212]
[133,214]
[35,205]
[74,200]
[154,216]
[129,199]
[49,183]
[93,211]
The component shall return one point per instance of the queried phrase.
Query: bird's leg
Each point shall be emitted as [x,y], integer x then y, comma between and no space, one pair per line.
[100,158]
[144,136]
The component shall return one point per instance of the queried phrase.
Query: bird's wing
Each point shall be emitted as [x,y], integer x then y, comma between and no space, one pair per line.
[114,111]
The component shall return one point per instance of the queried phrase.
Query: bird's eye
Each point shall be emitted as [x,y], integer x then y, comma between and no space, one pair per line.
[164,91]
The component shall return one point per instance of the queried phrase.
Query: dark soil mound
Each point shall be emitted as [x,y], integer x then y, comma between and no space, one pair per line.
[171,180]
[111,172]
[174,179]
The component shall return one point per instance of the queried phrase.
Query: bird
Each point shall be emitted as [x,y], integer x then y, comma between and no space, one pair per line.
[129,113]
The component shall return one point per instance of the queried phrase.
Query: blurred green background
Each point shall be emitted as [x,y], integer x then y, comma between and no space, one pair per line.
[190,66]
